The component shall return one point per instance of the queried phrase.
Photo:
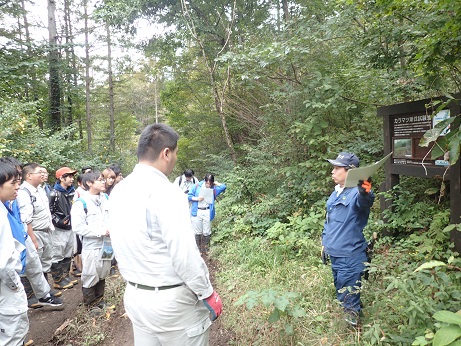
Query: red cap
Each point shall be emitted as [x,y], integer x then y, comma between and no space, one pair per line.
[64,170]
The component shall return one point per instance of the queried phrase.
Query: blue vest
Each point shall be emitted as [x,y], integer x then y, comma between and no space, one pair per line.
[17,228]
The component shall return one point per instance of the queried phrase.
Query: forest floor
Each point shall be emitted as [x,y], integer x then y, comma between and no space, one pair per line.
[53,326]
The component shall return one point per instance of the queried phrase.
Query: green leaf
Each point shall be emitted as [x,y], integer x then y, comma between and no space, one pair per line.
[432,134]
[446,335]
[431,191]
[454,150]
[289,330]
[429,265]
[274,316]
[298,312]
[448,317]
[281,303]
[440,147]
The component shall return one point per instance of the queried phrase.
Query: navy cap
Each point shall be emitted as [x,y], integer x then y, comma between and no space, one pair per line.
[344,159]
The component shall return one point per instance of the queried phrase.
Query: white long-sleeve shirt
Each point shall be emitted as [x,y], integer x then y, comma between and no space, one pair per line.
[152,234]
[93,223]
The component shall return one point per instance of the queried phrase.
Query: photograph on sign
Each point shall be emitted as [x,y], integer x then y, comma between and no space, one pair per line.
[403,148]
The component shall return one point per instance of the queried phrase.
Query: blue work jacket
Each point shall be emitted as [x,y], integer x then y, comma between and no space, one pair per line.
[347,216]
[195,191]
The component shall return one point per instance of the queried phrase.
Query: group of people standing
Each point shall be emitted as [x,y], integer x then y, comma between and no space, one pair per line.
[41,226]
[66,232]
[169,297]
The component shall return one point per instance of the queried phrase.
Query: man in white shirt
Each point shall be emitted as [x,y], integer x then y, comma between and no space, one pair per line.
[169,297]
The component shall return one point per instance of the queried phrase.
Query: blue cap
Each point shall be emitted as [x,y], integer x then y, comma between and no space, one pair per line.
[344,159]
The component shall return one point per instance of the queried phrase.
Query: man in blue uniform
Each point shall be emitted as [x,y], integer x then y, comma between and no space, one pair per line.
[348,209]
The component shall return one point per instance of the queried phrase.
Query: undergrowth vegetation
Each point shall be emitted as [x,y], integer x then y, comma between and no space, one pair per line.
[277,291]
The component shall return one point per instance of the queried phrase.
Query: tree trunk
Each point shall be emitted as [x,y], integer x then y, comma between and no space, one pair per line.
[211,65]
[111,91]
[286,12]
[87,79]
[69,119]
[53,56]
[33,76]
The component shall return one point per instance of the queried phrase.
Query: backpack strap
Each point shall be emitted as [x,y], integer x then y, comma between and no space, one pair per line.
[32,198]
[85,209]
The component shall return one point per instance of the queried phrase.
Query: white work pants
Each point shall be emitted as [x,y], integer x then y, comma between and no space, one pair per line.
[94,269]
[63,244]
[34,271]
[172,317]
[45,249]
[201,223]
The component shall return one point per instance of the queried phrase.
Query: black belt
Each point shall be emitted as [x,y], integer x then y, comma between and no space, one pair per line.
[150,288]
[204,208]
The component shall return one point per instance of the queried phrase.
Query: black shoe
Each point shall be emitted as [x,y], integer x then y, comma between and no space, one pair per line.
[50,301]
[33,303]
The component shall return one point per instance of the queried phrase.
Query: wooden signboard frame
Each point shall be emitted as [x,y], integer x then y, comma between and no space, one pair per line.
[404,125]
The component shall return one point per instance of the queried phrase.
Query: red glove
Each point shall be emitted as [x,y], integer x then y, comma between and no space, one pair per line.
[214,304]
[364,186]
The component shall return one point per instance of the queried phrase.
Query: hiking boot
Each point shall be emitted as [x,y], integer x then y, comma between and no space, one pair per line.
[54,293]
[73,282]
[352,317]
[50,301]
[76,272]
[33,303]
[64,283]
[113,271]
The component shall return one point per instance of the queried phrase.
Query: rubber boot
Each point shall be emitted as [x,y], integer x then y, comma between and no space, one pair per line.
[52,291]
[198,240]
[99,293]
[206,244]
[66,263]
[89,295]
[90,301]
[32,301]
[75,268]
[59,281]
[113,267]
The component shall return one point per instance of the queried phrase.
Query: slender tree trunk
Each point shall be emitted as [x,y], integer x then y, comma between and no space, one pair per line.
[53,56]
[155,101]
[111,90]
[69,119]
[87,79]
[75,74]
[286,12]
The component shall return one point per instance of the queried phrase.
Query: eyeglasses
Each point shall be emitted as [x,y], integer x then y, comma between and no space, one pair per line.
[102,180]
[37,173]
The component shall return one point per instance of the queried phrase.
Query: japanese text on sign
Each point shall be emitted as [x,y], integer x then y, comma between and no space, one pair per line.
[411,125]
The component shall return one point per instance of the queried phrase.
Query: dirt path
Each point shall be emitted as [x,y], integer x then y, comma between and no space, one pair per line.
[117,329]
